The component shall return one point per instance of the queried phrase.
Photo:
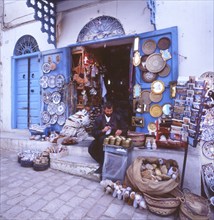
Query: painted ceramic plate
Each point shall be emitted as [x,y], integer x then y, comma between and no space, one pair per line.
[60,81]
[45,117]
[44,82]
[56,97]
[157,87]
[149,76]
[152,127]
[155,63]
[52,81]
[144,97]
[165,71]
[164,43]
[208,149]
[61,120]
[53,119]
[47,97]
[60,108]
[46,68]
[149,46]
[155,97]
[52,108]
[155,110]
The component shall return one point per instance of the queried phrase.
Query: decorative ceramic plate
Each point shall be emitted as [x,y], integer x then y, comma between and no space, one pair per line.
[155,63]
[157,87]
[60,108]
[136,90]
[149,46]
[144,97]
[52,108]
[164,43]
[60,81]
[61,120]
[149,76]
[136,59]
[52,81]
[152,127]
[53,119]
[56,97]
[155,97]
[46,68]
[45,117]
[44,82]
[155,110]
[47,97]
[208,149]
[165,71]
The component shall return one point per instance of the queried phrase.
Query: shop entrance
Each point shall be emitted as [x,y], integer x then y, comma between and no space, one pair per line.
[106,69]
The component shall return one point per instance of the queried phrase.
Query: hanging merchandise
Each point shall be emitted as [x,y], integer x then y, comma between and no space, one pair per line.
[44,82]
[59,80]
[46,68]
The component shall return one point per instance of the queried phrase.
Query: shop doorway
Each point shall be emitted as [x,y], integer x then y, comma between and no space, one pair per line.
[112,73]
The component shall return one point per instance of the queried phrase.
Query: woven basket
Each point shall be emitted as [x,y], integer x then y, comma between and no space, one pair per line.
[138,138]
[162,205]
[40,167]
[194,207]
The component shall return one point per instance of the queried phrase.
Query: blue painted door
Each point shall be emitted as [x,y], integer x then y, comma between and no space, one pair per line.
[26,106]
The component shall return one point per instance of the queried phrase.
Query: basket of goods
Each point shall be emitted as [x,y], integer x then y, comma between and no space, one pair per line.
[26,161]
[41,163]
[163,205]
[138,138]
[26,157]
[194,207]
[152,175]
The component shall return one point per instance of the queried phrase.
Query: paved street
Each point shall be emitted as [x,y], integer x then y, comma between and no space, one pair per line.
[51,194]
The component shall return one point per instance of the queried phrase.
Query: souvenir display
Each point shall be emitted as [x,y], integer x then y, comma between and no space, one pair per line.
[52,108]
[56,97]
[137,106]
[155,63]
[152,127]
[164,43]
[165,54]
[165,72]
[52,81]
[53,119]
[60,80]
[167,109]
[60,109]
[155,97]
[44,82]
[46,68]
[137,121]
[142,65]
[149,46]
[155,111]
[157,87]
[149,76]
[45,117]
[136,59]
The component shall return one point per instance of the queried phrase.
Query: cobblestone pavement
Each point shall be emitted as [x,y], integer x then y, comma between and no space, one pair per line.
[51,194]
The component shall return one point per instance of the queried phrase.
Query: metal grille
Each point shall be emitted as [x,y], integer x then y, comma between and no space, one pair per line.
[26,44]
[100,27]
[45,11]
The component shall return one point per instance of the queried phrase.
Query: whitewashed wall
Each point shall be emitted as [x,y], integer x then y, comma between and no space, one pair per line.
[193,18]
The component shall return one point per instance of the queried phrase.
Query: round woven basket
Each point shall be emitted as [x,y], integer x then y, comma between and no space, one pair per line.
[162,205]
[40,167]
[26,163]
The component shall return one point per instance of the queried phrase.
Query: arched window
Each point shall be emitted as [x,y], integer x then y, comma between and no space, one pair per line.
[101,27]
[26,44]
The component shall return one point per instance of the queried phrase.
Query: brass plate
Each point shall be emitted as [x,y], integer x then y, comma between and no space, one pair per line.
[165,71]
[155,97]
[157,87]
[155,110]
[149,46]
[155,63]
[149,76]
[144,97]
[164,43]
